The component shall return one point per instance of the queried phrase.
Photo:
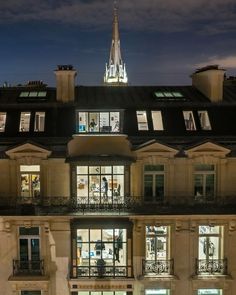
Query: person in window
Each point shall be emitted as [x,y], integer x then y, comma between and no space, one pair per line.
[92,125]
[101,267]
[105,187]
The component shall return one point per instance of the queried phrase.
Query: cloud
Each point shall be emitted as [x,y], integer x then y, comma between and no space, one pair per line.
[204,16]
[224,62]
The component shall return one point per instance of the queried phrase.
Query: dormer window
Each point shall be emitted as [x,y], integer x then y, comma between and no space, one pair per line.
[98,122]
[3,116]
[39,121]
[24,122]
[142,120]
[157,120]
[204,120]
[189,120]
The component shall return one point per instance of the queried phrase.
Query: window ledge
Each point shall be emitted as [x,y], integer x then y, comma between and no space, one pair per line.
[212,277]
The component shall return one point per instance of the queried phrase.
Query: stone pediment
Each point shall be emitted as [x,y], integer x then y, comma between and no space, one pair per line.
[207,149]
[154,148]
[28,150]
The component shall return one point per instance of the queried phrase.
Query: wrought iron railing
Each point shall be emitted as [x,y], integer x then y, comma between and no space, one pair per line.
[67,204]
[28,267]
[101,271]
[158,267]
[211,266]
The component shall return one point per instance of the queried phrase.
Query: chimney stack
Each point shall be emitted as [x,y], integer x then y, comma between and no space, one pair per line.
[209,80]
[65,77]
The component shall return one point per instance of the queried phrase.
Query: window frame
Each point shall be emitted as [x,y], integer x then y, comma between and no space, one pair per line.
[40,114]
[190,125]
[3,119]
[29,174]
[142,124]
[22,128]
[204,173]
[159,120]
[205,112]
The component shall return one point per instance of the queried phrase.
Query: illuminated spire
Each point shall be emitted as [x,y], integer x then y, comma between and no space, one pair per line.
[115,73]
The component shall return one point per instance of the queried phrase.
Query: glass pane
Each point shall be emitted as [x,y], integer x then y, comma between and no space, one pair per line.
[198,185]
[94,188]
[35,181]
[3,117]
[142,120]
[104,122]
[29,168]
[33,94]
[24,250]
[206,229]
[35,256]
[25,185]
[95,236]
[209,248]
[157,292]
[82,169]
[154,168]
[118,169]
[30,292]
[204,167]
[94,170]
[209,292]
[189,120]
[42,94]
[39,121]
[32,231]
[105,169]
[115,121]
[93,122]
[161,246]
[82,122]
[24,94]
[82,187]
[210,185]
[83,235]
[159,189]
[204,120]
[24,122]
[157,120]
[148,187]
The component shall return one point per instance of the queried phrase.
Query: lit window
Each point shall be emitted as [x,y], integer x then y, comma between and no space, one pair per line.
[98,122]
[24,94]
[204,182]
[209,292]
[39,121]
[189,120]
[24,121]
[177,94]
[153,183]
[168,94]
[33,93]
[3,117]
[159,94]
[210,250]
[101,252]
[157,120]
[157,292]
[142,120]
[100,184]
[30,182]
[204,120]
[42,94]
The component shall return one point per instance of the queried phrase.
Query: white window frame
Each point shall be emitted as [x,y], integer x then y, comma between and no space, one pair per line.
[3,118]
[204,173]
[204,120]
[39,122]
[24,121]
[142,120]
[189,124]
[157,120]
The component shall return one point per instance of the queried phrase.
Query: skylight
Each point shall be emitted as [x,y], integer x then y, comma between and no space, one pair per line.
[33,94]
[169,95]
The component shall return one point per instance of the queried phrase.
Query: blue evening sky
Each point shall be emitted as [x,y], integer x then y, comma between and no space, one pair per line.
[162,41]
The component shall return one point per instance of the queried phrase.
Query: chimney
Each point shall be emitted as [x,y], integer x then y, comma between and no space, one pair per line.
[65,76]
[209,80]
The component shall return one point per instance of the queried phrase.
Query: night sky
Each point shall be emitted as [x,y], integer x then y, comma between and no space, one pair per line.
[162,41]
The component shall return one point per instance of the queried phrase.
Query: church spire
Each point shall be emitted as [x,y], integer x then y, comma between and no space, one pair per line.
[115,73]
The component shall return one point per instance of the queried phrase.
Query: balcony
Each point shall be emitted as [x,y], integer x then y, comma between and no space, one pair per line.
[28,268]
[158,267]
[130,204]
[101,271]
[211,267]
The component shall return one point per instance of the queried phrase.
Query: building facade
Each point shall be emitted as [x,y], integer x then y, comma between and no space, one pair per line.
[118,190]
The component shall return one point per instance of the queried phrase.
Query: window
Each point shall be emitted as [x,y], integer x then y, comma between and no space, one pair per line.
[29,250]
[210,250]
[24,122]
[153,183]
[100,184]
[169,95]
[157,292]
[101,252]
[30,181]
[33,94]
[204,120]
[98,122]
[189,120]
[157,243]
[102,293]
[209,292]
[157,120]
[142,120]
[39,121]
[30,292]
[3,117]
[204,182]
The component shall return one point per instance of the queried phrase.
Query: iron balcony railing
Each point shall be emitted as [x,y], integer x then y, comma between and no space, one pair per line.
[101,271]
[158,267]
[137,204]
[28,267]
[211,266]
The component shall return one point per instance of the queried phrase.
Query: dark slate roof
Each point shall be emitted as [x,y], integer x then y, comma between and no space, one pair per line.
[61,119]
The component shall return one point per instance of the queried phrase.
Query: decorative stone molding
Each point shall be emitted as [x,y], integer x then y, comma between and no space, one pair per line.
[232,226]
